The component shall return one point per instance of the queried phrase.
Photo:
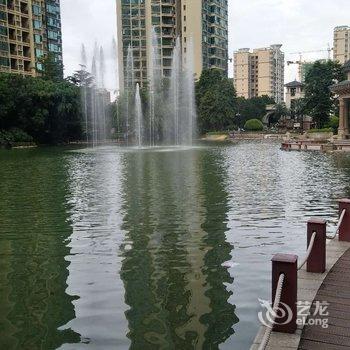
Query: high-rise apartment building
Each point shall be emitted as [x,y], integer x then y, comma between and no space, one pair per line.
[29,30]
[341,44]
[202,23]
[260,72]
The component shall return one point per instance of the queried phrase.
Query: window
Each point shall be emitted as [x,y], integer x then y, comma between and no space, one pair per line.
[37,24]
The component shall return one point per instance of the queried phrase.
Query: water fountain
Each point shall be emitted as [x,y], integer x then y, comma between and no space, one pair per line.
[169,114]
[94,97]
[154,79]
[139,117]
[129,91]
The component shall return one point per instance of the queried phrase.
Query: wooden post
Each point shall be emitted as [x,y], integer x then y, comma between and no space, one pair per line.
[286,264]
[317,259]
[344,230]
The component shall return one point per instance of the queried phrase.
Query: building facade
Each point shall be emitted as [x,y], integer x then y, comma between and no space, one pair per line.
[341,44]
[204,23]
[29,30]
[260,72]
[295,91]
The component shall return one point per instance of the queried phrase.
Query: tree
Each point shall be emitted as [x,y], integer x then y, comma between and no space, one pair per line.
[253,108]
[298,108]
[81,78]
[216,101]
[48,111]
[50,67]
[320,103]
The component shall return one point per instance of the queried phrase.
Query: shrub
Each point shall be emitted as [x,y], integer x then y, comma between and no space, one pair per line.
[14,135]
[254,125]
[213,133]
[333,124]
[320,130]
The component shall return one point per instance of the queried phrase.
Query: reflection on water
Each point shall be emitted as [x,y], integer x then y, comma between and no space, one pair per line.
[163,249]
[33,270]
[172,272]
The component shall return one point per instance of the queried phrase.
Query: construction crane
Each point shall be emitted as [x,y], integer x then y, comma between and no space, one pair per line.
[301,53]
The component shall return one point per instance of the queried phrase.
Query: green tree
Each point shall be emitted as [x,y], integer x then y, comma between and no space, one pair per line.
[216,101]
[81,78]
[320,103]
[298,108]
[253,108]
[50,68]
[47,111]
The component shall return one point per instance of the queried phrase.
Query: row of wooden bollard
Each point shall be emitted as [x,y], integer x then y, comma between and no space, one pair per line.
[287,264]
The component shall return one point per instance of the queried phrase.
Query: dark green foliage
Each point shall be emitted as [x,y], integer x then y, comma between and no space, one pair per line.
[298,108]
[313,131]
[81,78]
[253,108]
[333,124]
[320,103]
[50,68]
[216,101]
[14,135]
[253,125]
[48,111]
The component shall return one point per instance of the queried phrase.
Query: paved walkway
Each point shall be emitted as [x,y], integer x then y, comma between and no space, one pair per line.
[335,289]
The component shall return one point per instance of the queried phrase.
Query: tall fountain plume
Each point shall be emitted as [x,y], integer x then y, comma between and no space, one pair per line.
[130,84]
[94,102]
[139,117]
[102,101]
[84,92]
[94,96]
[169,116]
[154,91]
[189,96]
[174,95]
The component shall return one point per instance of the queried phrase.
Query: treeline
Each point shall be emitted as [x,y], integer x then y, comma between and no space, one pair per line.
[220,109]
[47,109]
[43,110]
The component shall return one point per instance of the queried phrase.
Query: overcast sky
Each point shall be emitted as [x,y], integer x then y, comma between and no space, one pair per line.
[300,25]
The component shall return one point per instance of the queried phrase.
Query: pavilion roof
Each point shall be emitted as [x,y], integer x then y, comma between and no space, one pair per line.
[294,83]
[341,88]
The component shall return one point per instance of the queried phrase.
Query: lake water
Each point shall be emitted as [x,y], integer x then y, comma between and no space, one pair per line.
[154,249]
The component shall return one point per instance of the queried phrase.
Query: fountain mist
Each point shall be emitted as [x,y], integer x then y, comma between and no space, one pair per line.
[139,117]
[171,110]
[94,96]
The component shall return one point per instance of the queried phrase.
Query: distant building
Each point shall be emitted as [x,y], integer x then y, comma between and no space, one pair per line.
[295,91]
[260,72]
[29,30]
[205,23]
[341,44]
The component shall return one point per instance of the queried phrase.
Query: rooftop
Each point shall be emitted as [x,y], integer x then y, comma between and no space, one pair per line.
[294,84]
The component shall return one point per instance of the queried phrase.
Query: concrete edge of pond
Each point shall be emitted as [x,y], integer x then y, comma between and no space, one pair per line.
[308,286]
